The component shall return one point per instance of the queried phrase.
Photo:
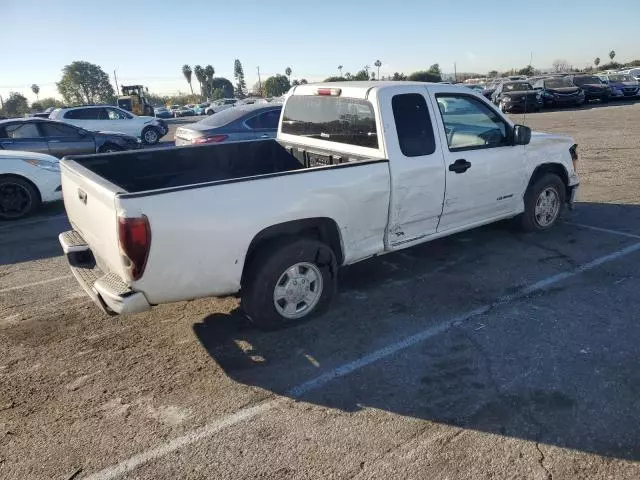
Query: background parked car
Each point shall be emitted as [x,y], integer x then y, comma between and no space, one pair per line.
[621,83]
[518,95]
[594,88]
[183,112]
[60,139]
[40,115]
[220,105]
[173,108]
[247,122]
[491,87]
[27,180]
[200,108]
[113,119]
[634,72]
[162,112]
[559,91]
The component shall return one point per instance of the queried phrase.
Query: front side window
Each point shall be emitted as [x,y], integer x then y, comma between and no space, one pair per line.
[58,130]
[471,124]
[115,114]
[413,124]
[82,114]
[334,119]
[22,130]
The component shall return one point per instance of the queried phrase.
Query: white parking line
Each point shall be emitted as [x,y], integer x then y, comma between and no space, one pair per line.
[604,230]
[35,284]
[31,222]
[214,427]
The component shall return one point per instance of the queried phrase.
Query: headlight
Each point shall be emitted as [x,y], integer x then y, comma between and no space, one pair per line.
[538,96]
[44,164]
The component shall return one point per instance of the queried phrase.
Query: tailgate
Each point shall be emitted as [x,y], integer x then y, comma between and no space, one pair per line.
[90,204]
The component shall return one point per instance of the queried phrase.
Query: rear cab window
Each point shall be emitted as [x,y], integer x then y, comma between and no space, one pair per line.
[413,124]
[336,119]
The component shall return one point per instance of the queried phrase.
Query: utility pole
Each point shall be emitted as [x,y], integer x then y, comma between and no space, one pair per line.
[1,103]
[455,73]
[259,81]
[115,77]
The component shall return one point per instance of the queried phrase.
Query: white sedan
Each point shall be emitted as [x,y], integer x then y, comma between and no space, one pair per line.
[27,180]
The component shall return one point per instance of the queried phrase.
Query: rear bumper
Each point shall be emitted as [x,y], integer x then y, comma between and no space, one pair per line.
[107,291]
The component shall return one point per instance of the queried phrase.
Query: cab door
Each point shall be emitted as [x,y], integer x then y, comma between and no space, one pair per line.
[485,171]
[416,166]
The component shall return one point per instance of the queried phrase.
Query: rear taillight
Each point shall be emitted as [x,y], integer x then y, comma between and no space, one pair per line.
[210,139]
[134,234]
[329,92]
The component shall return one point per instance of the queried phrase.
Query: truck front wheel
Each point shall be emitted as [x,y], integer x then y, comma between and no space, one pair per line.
[543,203]
[289,281]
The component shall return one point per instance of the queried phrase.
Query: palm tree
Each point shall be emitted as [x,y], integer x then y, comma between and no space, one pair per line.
[366,69]
[287,72]
[200,76]
[378,64]
[36,90]
[340,69]
[186,71]
[209,72]
[597,62]
[612,54]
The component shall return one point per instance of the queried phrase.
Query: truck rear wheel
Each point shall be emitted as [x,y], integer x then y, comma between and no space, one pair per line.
[543,203]
[288,282]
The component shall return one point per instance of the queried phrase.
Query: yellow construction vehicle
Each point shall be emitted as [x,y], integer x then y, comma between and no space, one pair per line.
[135,100]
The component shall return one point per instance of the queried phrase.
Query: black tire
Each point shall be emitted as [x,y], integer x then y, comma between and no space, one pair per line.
[268,267]
[529,220]
[148,138]
[108,148]
[18,198]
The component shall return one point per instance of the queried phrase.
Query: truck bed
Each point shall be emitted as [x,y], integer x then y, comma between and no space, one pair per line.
[144,170]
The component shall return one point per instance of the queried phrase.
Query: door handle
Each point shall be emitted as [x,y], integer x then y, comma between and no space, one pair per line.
[264,135]
[460,166]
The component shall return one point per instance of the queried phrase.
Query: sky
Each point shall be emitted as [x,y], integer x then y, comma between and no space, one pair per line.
[147,42]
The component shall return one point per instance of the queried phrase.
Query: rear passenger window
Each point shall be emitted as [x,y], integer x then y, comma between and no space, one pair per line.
[413,124]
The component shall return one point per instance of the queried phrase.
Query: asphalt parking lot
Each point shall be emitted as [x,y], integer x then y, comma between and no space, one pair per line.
[490,354]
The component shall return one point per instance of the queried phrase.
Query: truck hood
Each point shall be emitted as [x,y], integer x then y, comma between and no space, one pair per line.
[542,138]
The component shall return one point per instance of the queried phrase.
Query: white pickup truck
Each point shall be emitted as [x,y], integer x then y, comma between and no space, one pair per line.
[358,169]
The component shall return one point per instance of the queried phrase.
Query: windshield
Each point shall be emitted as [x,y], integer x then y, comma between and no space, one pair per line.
[590,79]
[561,82]
[335,119]
[621,78]
[516,87]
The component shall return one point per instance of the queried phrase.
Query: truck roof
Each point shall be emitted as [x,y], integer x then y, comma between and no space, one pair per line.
[360,89]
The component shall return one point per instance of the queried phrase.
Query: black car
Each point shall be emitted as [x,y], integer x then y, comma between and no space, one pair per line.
[490,88]
[594,88]
[559,91]
[517,95]
[60,139]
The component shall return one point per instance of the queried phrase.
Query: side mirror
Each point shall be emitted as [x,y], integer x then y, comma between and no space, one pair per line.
[521,135]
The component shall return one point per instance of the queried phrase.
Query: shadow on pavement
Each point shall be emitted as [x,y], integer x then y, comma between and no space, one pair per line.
[527,373]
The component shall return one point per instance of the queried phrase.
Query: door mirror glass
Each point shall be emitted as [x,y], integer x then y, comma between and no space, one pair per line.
[521,135]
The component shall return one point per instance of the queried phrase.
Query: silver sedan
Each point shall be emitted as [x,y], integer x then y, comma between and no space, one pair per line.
[237,124]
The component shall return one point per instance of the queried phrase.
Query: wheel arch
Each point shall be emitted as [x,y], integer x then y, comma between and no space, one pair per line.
[323,229]
[552,167]
[22,177]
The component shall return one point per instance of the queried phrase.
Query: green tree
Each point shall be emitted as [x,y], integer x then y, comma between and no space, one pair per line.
[492,74]
[50,102]
[399,76]
[287,72]
[16,105]
[435,69]
[340,70]
[238,74]
[303,81]
[295,83]
[85,83]
[209,71]
[596,62]
[217,94]
[36,90]
[424,76]
[361,75]
[378,64]
[224,85]
[528,71]
[612,55]
[187,72]
[335,79]
[198,71]
[276,86]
